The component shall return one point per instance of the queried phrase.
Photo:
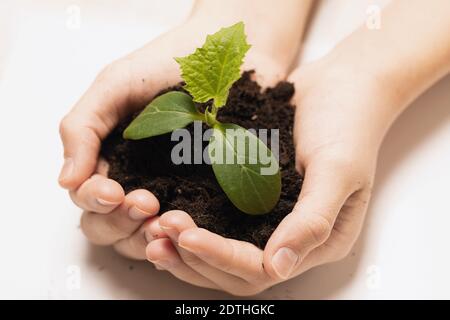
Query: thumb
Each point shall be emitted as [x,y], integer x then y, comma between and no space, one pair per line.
[325,190]
[88,123]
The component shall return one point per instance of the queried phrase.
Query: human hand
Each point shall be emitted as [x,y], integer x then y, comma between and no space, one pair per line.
[337,137]
[110,217]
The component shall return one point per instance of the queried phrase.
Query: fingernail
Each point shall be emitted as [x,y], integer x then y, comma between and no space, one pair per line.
[195,250]
[184,246]
[284,261]
[104,202]
[159,267]
[66,170]
[164,264]
[137,214]
[172,233]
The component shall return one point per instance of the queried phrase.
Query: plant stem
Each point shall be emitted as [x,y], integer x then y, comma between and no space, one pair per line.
[211,117]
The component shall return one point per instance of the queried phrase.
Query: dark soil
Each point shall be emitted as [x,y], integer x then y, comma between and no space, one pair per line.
[193,188]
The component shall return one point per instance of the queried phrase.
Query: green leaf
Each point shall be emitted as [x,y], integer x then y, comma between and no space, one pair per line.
[168,112]
[242,180]
[212,69]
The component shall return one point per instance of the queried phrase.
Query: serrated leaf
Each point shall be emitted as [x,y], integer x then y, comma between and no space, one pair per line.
[212,69]
[168,112]
[242,181]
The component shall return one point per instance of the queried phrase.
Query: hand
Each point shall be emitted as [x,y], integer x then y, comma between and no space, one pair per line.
[342,115]
[110,217]
[339,127]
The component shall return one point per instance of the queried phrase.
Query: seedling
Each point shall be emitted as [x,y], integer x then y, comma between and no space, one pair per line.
[209,73]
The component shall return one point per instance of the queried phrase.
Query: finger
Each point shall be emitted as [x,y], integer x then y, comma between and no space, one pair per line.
[163,254]
[347,226]
[102,167]
[316,257]
[326,187]
[239,258]
[174,223]
[89,122]
[134,246]
[345,231]
[98,194]
[106,229]
[270,75]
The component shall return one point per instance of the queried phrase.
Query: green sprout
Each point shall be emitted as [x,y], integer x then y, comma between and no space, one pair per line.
[209,73]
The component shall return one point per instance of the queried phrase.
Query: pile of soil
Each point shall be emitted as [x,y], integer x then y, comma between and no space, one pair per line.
[193,188]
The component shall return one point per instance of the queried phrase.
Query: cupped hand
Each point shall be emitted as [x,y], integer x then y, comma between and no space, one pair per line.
[341,118]
[111,217]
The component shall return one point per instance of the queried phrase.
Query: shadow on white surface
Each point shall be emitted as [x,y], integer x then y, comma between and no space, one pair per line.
[129,279]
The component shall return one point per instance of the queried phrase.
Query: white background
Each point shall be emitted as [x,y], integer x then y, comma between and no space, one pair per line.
[46,64]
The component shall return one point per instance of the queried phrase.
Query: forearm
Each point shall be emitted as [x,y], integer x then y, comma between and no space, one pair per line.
[273,28]
[407,54]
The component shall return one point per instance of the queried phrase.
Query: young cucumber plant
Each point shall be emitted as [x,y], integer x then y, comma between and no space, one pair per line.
[209,73]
